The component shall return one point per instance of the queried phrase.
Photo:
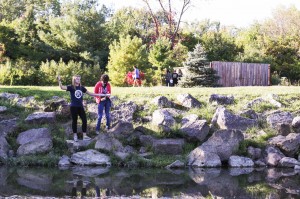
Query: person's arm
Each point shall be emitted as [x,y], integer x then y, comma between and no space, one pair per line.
[108,89]
[59,83]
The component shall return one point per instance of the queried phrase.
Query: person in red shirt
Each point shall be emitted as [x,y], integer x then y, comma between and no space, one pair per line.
[104,103]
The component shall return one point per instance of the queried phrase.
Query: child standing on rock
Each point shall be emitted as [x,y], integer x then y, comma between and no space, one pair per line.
[76,91]
[104,103]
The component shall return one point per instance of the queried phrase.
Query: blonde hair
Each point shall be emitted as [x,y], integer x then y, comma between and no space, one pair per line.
[73,81]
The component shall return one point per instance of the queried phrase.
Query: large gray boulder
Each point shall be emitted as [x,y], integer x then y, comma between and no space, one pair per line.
[53,104]
[162,102]
[288,162]
[224,142]
[289,144]
[279,117]
[40,145]
[108,143]
[34,141]
[168,146]
[163,118]
[92,109]
[238,161]
[32,135]
[273,156]
[202,158]
[90,157]
[8,126]
[123,129]
[221,99]
[124,112]
[226,120]
[188,101]
[219,147]
[194,129]
[269,98]
[254,153]
[41,118]
[146,140]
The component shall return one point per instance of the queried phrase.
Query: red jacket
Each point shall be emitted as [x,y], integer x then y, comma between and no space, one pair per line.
[99,89]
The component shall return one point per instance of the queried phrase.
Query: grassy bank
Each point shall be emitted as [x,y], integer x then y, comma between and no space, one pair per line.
[44,92]
[288,96]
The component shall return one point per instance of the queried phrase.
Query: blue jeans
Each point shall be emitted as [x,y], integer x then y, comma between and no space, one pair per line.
[103,105]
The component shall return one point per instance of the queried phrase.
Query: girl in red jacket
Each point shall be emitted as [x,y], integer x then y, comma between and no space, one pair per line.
[104,103]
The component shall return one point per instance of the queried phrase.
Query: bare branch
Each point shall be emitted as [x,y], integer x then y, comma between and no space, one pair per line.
[185,5]
[153,17]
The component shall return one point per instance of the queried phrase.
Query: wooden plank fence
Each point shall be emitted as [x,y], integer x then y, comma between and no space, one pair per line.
[242,74]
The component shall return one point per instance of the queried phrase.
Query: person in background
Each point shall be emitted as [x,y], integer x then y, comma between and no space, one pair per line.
[76,92]
[175,77]
[168,77]
[104,103]
[179,72]
[136,76]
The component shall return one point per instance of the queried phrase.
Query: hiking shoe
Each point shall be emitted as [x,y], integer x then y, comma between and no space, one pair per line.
[75,137]
[97,132]
[107,128]
[86,137]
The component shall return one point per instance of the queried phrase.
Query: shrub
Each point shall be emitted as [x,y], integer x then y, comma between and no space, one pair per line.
[49,71]
[20,72]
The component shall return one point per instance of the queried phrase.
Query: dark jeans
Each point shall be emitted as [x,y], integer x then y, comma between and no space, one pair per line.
[75,111]
[103,105]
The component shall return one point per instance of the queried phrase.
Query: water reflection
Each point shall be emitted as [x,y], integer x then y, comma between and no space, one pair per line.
[150,183]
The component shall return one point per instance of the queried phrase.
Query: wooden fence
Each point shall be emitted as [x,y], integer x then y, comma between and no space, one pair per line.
[242,74]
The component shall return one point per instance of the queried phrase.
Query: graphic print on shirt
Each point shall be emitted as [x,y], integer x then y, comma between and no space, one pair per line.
[78,94]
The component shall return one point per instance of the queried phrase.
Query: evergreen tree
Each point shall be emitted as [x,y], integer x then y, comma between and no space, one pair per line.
[197,71]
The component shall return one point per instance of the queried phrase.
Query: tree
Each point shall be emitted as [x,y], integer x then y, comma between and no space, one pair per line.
[197,71]
[275,41]
[220,46]
[78,33]
[160,57]
[123,56]
[193,32]
[130,21]
[169,18]
[11,10]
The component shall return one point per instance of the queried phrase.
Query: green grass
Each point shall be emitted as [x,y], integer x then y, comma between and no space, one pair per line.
[255,141]
[144,93]
[45,160]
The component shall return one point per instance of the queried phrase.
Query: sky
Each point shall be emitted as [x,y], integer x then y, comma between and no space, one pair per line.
[240,13]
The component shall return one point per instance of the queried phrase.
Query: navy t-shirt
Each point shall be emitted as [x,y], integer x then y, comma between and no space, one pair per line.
[76,95]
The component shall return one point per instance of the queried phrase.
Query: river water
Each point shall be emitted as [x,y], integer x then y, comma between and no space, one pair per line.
[149,183]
